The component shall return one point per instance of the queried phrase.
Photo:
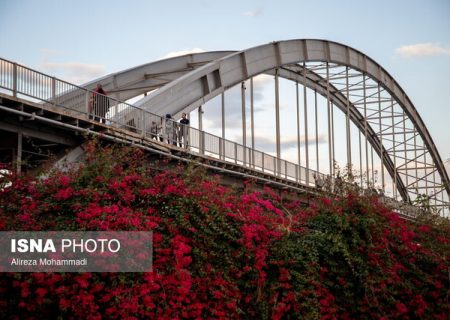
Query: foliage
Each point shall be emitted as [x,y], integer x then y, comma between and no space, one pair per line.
[219,253]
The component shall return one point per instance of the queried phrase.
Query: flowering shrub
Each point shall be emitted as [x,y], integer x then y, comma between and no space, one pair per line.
[219,253]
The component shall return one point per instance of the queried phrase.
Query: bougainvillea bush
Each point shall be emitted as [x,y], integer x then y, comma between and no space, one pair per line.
[223,253]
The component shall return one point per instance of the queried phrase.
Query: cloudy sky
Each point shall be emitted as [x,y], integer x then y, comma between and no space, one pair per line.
[81,40]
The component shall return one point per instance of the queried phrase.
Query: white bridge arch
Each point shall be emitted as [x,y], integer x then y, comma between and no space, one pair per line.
[368,96]
[193,88]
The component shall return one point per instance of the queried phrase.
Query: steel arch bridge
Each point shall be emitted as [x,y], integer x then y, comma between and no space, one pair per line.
[376,127]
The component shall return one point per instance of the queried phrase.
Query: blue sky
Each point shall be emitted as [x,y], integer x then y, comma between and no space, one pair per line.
[80,40]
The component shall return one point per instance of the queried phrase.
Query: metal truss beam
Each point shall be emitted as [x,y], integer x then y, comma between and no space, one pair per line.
[36,133]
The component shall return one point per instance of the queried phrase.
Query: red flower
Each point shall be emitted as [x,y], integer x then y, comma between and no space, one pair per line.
[64,181]
[41,292]
[218,253]
[64,303]
[424,228]
[64,194]
[401,308]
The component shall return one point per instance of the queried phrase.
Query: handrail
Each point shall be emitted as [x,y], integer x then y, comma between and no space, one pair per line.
[52,92]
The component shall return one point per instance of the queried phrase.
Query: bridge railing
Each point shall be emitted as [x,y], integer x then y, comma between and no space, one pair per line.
[52,93]
[229,151]
[22,82]
[74,100]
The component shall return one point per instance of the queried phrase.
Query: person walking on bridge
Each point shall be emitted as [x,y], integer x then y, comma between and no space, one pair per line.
[169,130]
[184,131]
[99,104]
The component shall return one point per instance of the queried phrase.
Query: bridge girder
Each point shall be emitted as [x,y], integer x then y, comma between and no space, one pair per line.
[132,82]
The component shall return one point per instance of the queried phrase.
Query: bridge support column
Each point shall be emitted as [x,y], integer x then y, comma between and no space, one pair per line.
[223,125]
[405,150]
[298,129]
[277,122]
[330,154]
[317,130]
[332,140]
[347,127]
[381,138]
[305,116]
[244,123]
[365,131]
[252,123]
[394,158]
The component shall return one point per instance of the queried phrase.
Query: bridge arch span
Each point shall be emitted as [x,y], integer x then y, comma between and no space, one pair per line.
[370,99]
[285,58]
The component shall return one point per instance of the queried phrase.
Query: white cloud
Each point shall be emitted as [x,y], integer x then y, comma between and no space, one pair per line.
[422,50]
[262,80]
[76,72]
[253,13]
[48,53]
[182,53]
[73,72]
